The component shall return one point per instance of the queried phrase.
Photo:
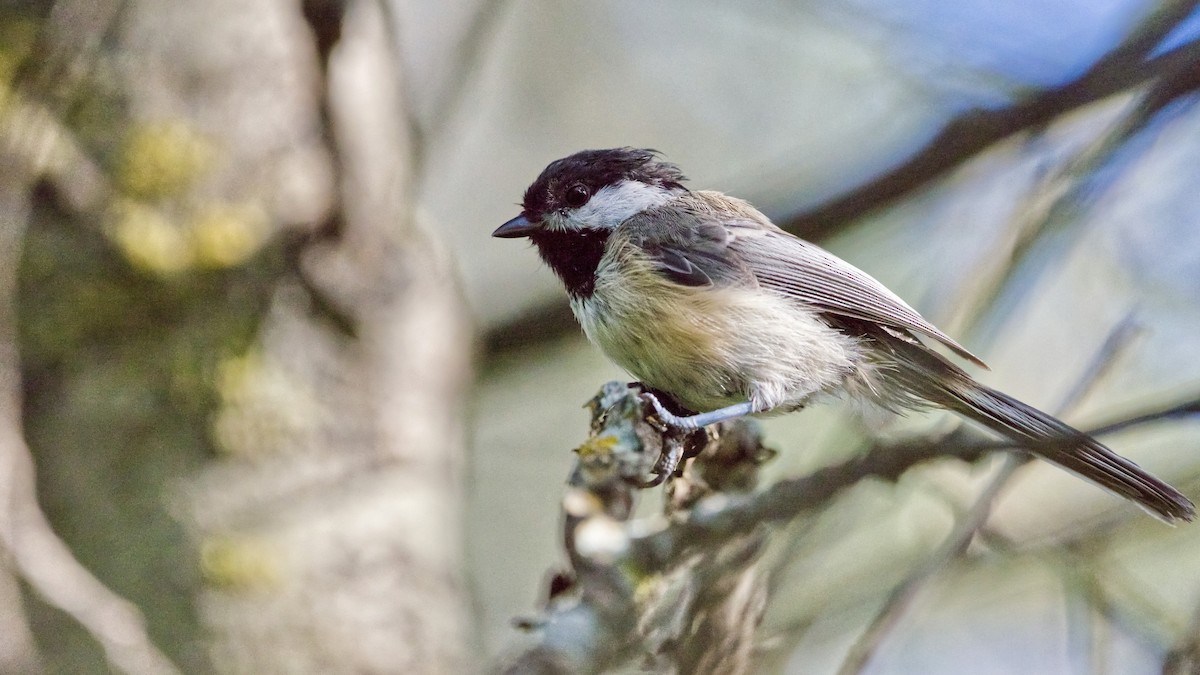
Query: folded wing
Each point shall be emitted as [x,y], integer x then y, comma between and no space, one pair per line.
[695,248]
[820,279]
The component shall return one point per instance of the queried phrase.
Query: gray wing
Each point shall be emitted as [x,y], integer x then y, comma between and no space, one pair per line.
[688,248]
[694,247]
[820,279]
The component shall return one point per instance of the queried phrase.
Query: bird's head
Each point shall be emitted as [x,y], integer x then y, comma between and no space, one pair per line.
[594,191]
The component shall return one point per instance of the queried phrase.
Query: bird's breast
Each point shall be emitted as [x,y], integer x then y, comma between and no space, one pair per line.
[709,346]
[665,336]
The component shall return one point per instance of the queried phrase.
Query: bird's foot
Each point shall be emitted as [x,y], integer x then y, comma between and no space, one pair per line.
[667,419]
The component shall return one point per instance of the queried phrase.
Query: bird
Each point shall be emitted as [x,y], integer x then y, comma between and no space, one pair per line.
[719,313]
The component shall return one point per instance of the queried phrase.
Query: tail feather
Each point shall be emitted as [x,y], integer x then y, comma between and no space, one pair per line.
[925,375]
[1071,449]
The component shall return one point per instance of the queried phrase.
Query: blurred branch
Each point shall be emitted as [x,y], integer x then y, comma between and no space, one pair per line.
[476,44]
[18,652]
[955,545]
[35,146]
[32,134]
[49,567]
[1184,657]
[35,139]
[615,561]
[325,17]
[1122,599]
[1047,204]
[1174,412]
[68,42]
[1170,74]
[38,555]
[364,497]
[472,48]
[970,442]
[413,131]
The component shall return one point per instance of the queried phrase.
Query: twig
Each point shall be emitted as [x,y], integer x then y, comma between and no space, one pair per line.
[893,609]
[18,649]
[587,628]
[1185,409]
[1048,204]
[1184,656]
[477,43]
[46,563]
[694,613]
[415,141]
[1122,600]
[956,543]
[1123,68]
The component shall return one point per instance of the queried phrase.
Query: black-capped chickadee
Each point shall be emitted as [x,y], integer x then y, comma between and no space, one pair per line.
[702,298]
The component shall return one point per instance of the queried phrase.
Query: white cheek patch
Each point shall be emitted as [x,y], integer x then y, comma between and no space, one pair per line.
[555,221]
[614,204]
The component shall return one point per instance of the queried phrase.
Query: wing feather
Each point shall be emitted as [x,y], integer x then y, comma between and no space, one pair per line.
[695,243]
[820,279]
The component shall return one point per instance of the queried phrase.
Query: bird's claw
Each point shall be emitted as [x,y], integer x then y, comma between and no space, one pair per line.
[669,459]
[676,431]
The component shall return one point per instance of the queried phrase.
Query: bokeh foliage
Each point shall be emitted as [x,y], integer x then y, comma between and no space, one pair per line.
[127,312]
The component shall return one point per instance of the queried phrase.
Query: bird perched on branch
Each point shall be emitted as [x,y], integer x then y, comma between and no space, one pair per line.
[707,302]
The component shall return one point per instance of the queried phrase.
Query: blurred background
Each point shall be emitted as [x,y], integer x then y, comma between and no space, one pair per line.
[273,401]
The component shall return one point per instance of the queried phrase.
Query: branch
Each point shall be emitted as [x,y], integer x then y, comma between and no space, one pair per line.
[1126,67]
[1170,75]
[18,653]
[1173,412]
[38,555]
[35,145]
[711,511]
[45,562]
[955,545]
[1184,656]
[694,613]
[1120,598]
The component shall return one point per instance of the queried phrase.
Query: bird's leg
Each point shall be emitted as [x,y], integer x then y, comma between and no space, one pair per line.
[673,451]
[701,420]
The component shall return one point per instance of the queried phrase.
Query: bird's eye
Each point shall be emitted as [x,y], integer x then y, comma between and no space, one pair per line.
[577,195]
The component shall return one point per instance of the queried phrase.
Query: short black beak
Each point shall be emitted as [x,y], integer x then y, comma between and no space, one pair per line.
[517,227]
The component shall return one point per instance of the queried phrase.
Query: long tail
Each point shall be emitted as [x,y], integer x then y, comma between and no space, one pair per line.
[926,375]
